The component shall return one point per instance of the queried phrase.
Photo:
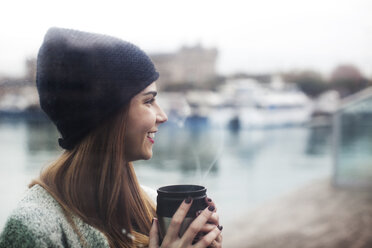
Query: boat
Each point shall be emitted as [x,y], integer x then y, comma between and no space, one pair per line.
[240,104]
[250,104]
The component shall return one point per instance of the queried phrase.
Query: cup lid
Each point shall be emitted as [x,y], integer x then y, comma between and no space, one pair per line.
[181,190]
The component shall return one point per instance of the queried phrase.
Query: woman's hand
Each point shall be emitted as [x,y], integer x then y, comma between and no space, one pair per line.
[212,222]
[212,237]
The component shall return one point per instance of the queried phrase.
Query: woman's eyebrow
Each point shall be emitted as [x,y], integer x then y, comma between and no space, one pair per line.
[153,93]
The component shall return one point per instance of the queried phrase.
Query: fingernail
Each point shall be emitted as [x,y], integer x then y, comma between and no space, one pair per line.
[211,208]
[198,213]
[188,200]
[220,227]
[209,199]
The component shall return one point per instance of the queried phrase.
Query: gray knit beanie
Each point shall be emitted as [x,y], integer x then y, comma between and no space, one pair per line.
[84,78]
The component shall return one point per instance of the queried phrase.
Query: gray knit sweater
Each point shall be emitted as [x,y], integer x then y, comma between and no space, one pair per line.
[38,221]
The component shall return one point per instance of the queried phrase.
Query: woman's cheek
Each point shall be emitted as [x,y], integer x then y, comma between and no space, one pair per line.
[150,118]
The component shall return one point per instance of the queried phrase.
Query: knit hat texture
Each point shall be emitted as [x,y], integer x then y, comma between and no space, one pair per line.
[84,78]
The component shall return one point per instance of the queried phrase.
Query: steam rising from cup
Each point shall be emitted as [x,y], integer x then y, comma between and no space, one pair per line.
[178,109]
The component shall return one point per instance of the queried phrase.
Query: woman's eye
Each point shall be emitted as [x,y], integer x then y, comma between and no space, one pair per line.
[150,101]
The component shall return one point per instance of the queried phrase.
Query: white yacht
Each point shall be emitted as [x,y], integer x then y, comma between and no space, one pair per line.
[250,104]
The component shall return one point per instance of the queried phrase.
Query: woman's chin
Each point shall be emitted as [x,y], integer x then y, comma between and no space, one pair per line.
[143,156]
[147,156]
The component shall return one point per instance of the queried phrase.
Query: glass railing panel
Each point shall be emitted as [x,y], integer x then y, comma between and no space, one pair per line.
[353,144]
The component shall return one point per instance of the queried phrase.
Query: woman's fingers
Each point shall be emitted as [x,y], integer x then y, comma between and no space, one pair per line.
[207,228]
[214,219]
[154,237]
[210,202]
[206,224]
[209,239]
[177,219]
[197,225]
[219,238]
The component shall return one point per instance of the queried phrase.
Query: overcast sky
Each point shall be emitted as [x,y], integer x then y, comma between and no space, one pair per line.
[252,36]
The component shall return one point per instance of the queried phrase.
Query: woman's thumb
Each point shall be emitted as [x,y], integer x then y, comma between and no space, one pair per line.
[154,236]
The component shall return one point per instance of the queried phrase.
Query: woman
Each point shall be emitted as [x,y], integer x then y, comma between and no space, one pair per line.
[100,92]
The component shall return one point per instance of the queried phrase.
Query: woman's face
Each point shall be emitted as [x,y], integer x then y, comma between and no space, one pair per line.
[144,118]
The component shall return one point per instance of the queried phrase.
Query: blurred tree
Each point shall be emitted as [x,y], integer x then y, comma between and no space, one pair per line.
[211,84]
[347,79]
[260,77]
[310,82]
[214,83]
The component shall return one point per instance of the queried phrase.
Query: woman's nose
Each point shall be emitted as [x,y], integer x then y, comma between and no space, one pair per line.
[161,117]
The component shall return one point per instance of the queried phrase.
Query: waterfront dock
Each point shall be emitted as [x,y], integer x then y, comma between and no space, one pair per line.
[314,216]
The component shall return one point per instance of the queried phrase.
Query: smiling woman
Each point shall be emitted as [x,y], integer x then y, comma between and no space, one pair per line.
[144,117]
[100,93]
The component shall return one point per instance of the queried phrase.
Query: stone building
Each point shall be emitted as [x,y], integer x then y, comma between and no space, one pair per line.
[189,66]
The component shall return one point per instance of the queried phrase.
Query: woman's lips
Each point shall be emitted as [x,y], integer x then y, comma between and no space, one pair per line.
[151,140]
[151,137]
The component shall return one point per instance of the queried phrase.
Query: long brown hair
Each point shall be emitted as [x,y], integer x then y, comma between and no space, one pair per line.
[96,183]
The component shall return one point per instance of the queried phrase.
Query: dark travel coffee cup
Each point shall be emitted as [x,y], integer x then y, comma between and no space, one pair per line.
[170,198]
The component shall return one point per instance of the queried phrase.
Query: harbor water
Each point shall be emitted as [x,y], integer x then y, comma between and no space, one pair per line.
[241,169]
